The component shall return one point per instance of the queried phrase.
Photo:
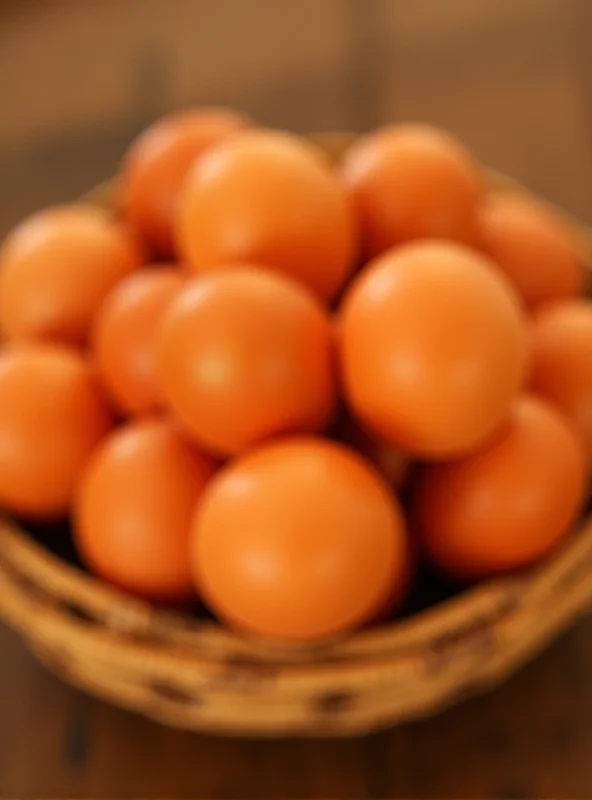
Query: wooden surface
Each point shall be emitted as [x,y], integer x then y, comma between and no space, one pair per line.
[514,79]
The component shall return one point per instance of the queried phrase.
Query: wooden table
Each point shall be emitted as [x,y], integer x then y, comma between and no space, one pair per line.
[514,79]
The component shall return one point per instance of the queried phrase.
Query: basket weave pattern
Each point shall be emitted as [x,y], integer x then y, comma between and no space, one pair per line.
[195,674]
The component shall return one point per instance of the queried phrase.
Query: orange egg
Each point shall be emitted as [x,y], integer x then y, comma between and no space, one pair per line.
[244,354]
[508,504]
[533,246]
[268,198]
[298,540]
[56,268]
[561,369]
[133,512]
[51,419]
[124,337]
[412,182]
[400,586]
[157,163]
[433,348]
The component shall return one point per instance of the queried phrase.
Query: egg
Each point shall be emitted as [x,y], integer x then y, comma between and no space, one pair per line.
[561,367]
[125,333]
[401,585]
[244,354]
[52,417]
[268,198]
[411,181]
[433,348]
[533,247]
[508,504]
[132,516]
[57,267]
[156,165]
[298,540]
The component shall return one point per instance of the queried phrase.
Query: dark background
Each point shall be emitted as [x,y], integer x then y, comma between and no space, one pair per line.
[512,77]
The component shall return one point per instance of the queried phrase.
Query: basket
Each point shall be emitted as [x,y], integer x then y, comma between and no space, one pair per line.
[195,674]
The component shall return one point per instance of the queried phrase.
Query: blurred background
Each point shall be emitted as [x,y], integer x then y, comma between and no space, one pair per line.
[78,79]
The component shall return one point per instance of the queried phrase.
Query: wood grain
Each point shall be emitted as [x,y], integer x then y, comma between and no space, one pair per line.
[514,80]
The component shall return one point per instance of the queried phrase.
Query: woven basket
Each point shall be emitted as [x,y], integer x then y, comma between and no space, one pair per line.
[195,674]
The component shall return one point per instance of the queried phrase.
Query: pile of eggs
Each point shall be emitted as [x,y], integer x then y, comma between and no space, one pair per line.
[275,384]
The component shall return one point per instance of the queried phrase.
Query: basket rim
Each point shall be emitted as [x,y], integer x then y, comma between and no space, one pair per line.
[24,558]
[21,553]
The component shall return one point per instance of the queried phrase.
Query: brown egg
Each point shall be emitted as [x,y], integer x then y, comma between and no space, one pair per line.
[125,334]
[561,369]
[533,247]
[134,508]
[299,540]
[57,267]
[433,348]
[268,198]
[156,165]
[52,417]
[510,502]
[412,182]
